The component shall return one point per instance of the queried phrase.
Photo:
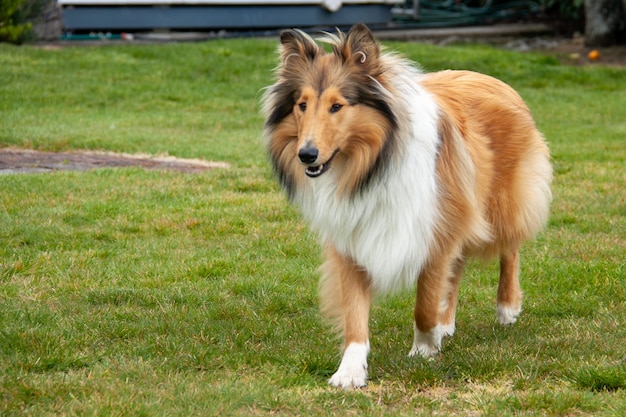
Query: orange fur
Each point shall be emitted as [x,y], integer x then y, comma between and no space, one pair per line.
[498,131]
[346,296]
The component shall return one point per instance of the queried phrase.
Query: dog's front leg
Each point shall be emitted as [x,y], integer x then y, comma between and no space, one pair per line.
[346,296]
[352,372]
[435,302]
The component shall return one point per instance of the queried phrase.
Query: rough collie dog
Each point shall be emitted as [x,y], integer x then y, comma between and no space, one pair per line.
[404,175]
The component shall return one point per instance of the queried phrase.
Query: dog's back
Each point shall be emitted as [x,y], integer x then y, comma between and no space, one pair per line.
[510,156]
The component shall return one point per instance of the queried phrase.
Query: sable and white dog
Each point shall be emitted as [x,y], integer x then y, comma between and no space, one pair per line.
[404,175]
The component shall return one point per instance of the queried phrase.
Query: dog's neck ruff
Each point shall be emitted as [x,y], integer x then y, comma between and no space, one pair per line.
[387,228]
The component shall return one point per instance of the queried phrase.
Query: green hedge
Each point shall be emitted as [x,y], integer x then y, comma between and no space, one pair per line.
[16,18]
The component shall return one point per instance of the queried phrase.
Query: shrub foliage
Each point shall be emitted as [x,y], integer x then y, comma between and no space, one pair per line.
[16,18]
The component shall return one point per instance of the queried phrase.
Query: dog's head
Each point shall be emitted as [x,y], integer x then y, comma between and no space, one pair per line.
[331,109]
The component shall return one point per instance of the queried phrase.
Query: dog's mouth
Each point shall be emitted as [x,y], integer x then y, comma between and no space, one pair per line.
[317,170]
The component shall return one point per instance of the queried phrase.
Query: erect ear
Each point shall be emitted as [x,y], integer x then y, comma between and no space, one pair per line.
[297,43]
[360,48]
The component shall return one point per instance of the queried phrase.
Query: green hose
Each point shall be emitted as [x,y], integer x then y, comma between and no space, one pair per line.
[433,13]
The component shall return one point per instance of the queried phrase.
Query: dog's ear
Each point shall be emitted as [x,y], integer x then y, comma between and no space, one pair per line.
[360,48]
[297,43]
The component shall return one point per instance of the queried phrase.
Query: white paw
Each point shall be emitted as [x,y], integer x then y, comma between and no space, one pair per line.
[427,344]
[448,329]
[352,372]
[508,315]
[348,378]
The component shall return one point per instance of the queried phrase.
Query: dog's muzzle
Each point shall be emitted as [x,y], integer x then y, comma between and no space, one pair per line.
[308,156]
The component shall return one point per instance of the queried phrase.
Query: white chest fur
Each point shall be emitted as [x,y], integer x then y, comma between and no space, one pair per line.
[387,229]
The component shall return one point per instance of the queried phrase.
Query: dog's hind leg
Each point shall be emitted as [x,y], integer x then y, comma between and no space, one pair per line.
[346,296]
[509,293]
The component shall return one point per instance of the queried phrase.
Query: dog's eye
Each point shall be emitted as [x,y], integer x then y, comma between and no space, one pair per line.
[302,106]
[335,108]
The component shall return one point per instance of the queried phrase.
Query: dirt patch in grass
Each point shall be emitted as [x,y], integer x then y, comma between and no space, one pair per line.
[23,161]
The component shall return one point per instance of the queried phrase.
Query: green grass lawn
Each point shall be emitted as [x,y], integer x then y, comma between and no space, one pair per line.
[126,292]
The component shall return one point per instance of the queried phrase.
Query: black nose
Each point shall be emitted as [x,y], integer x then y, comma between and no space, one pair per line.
[308,154]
